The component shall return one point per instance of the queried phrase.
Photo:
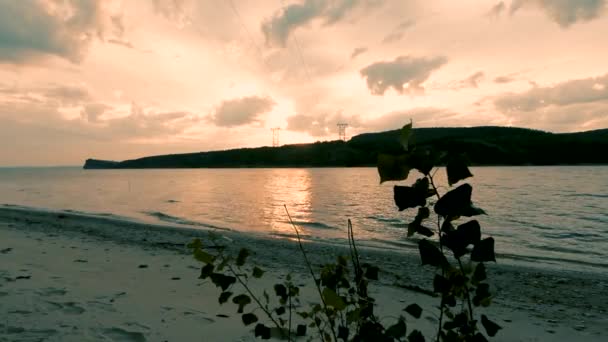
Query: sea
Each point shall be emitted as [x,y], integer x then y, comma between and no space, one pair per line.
[545,216]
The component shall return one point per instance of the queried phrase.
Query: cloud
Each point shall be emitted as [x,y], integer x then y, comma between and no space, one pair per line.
[473,80]
[564,12]
[321,125]
[566,106]
[405,74]
[585,90]
[497,10]
[358,51]
[504,79]
[398,32]
[36,29]
[92,111]
[122,43]
[279,27]
[175,11]
[241,111]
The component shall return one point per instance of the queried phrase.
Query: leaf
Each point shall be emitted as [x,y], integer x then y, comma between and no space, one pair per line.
[423,160]
[480,273]
[343,333]
[332,299]
[257,272]
[482,296]
[457,202]
[491,327]
[466,234]
[195,244]
[301,330]
[241,300]
[393,168]
[404,137]
[371,272]
[411,196]
[415,336]
[242,257]
[441,284]
[457,169]
[430,255]
[206,271]
[280,310]
[479,338]
[224,296]
[222,281]
[484,250]
[414,310]
[397,330]
[203,256]
[262,331]
[281,291]
[249,318]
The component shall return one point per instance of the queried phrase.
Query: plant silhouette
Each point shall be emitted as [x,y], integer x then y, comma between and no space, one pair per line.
[345,308]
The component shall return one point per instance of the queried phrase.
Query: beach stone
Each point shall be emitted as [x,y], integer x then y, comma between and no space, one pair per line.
[143,266]
[579,327]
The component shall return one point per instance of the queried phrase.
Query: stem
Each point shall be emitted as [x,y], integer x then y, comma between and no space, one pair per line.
[312,273]
[255,298]
[430,177]
[289,331]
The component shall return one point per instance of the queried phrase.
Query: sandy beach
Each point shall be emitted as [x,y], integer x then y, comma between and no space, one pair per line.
[72,277]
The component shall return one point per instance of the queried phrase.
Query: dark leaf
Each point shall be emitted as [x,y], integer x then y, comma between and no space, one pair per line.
[257,272]
[343,333]
[206,271]
[404,137]
[430,254]
[408,197]
[195,244]
[371,272]
[241,301]
[482,295]
[414,310]
[491,327]
[393,168]
[458,240]
[423,160]
[479,338]
[415,336]
[301,330]
[332,299]
[222,281]
[224,296]
[455,201]
[457,169]
[280,290]
[397,330]
[422,230]
[441,284]
[280,310]
[262,331]
[242,257]
[480,273]
[249,318]
[203,256]
[423,213]
[484,250]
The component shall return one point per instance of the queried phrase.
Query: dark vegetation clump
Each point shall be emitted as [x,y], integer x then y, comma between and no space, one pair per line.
[345,308]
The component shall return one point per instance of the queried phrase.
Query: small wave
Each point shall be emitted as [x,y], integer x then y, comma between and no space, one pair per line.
[174,219]
[312,224]
[587,195]
[384,219]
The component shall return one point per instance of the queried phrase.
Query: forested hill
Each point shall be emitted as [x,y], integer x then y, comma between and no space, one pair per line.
[482,145]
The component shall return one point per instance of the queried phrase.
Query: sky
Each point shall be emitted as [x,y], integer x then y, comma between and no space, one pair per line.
[121,79]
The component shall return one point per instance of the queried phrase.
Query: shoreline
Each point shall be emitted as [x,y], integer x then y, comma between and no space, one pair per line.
[530,304]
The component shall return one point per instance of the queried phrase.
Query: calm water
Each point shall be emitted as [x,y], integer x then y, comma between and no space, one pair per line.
[550,215]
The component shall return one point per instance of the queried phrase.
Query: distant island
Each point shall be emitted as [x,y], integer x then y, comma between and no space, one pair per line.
[482,145]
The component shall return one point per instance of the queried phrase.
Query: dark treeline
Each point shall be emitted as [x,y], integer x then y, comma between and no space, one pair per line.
[482,145]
